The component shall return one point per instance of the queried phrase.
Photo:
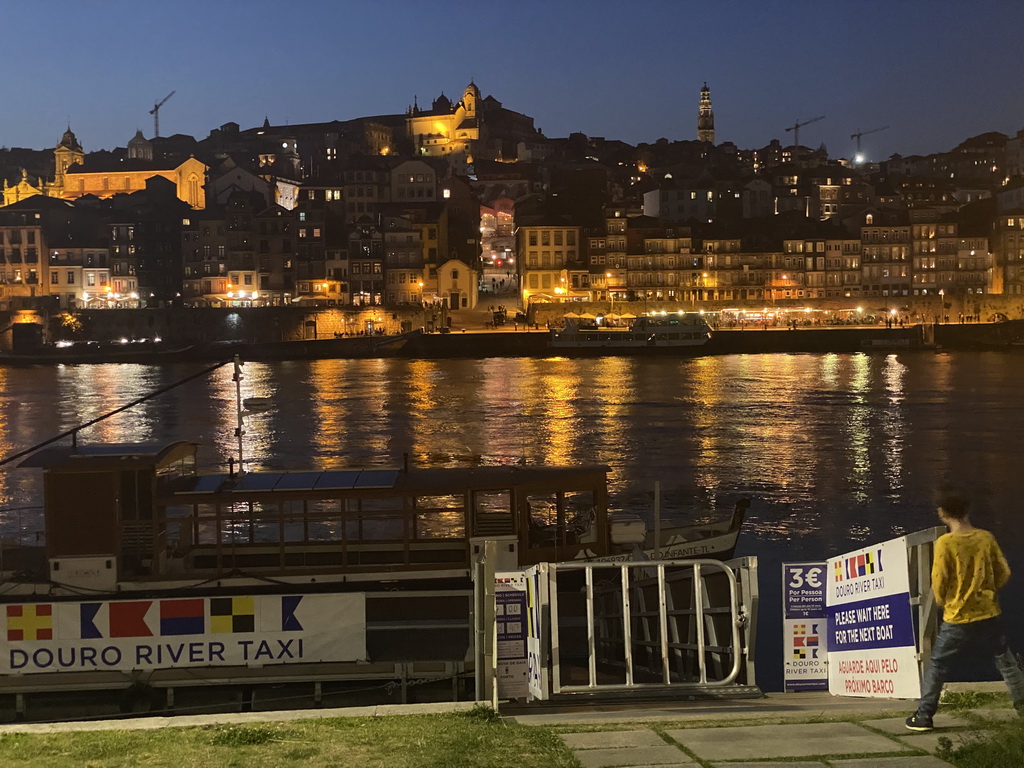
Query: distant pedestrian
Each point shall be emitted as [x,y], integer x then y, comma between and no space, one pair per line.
[968,570]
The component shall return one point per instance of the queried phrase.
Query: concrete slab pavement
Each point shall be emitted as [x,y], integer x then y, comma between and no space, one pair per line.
[613,739]
[917,761]
[762,742]
[751,747]
[666,757]
[780,706]
[619,749]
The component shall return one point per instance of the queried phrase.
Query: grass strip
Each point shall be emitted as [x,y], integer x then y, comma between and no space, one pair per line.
[476,739]
[1001,746]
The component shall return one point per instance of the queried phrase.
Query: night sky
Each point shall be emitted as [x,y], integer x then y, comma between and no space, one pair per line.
[937,72]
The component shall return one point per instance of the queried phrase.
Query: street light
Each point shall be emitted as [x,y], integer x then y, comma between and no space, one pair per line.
[942,304]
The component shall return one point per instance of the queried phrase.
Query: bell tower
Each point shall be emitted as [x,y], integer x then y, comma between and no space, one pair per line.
[67,153]
[705,117]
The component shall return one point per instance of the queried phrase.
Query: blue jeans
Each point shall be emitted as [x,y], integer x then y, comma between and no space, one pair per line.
[985,637]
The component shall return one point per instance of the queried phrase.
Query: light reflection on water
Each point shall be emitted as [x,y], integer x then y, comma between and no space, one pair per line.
[812,438]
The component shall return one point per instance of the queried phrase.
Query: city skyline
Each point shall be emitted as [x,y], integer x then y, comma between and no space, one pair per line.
[768,65]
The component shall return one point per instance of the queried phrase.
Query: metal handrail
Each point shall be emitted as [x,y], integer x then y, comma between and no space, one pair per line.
[696,567]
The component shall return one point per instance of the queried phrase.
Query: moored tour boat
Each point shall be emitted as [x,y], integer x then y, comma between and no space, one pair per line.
[149,574]
[660,330]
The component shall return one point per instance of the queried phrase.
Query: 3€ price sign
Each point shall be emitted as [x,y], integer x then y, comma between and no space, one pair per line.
[804,626]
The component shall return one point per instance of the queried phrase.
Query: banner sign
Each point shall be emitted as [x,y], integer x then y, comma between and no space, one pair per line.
[238,630]
[511,616]
[804,625]
[872,650]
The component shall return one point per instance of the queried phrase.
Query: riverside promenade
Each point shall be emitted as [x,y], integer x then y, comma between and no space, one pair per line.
[802,730]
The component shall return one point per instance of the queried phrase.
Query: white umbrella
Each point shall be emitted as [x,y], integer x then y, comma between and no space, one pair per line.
[611,316]
[588,316]
[570,316]
[628,316]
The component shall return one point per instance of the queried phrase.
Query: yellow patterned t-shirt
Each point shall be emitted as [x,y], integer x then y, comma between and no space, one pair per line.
[968,571]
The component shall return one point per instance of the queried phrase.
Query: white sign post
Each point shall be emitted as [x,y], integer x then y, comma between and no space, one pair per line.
[511,617]
[872,649]
[804,664]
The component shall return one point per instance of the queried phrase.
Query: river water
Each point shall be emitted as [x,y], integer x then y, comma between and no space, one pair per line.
[835,451]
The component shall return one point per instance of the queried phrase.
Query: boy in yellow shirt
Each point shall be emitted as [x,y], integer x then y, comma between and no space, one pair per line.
[968,570]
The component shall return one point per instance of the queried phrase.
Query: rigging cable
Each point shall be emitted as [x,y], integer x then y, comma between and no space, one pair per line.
[144,398]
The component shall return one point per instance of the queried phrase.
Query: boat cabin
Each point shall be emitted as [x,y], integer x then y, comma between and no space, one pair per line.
[142,513]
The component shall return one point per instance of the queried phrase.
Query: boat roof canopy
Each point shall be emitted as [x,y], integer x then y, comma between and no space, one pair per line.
[415,481]
[109,455]
[343,480]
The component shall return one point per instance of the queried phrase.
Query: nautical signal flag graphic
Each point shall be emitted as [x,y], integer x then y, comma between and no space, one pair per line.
[29,622]
[289,621]
[802,641]
[183,617]
[120,619]
[864,564]
[232,614]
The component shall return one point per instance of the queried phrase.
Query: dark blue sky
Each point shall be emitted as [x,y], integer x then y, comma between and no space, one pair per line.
[936,72]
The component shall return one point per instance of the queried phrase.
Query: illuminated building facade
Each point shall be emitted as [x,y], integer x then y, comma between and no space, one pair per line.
[23,273]
[470,129]
[403,261]
[547,256]
[885,259]
[80,277]
[105,178]
[830,267]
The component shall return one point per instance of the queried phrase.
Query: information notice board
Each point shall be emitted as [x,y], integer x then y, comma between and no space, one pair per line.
[804,626]
[511,617]
[872,649]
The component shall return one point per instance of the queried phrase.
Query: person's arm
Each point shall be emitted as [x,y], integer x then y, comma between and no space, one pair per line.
[943,569]
[1000,568]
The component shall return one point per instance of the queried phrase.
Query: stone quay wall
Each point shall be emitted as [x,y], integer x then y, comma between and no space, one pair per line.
[187,326]
[915,309]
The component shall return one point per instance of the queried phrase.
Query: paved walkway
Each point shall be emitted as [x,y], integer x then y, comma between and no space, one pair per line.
[688,735]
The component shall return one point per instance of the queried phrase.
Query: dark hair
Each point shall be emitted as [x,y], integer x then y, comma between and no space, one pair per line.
[952,503]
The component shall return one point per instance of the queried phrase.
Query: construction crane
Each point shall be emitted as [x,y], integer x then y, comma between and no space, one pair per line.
[155,112]
[858,134]
[795,128]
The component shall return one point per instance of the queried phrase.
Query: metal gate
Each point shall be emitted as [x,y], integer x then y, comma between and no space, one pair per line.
[642,626]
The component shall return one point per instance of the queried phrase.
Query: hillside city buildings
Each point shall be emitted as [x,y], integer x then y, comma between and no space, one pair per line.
[449,203]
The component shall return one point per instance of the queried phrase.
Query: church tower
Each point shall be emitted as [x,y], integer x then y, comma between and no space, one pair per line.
[705,118]
[67,153]
[140,148]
